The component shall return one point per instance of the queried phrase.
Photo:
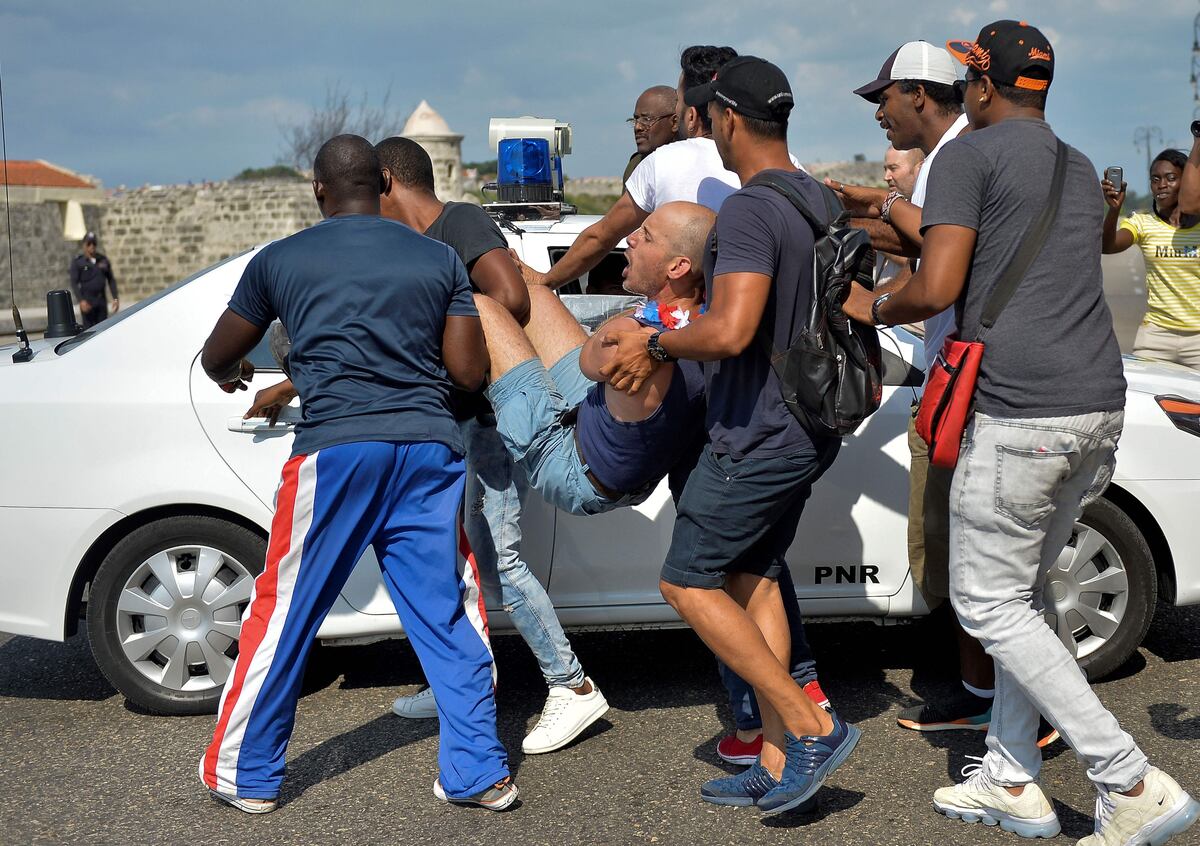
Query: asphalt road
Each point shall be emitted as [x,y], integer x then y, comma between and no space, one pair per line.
[81,767]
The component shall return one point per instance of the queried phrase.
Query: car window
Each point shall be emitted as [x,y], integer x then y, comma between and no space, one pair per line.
[103,326]
[604,278]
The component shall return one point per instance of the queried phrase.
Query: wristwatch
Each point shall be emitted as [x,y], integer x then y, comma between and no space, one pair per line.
[875,318]
[656,351]
[1196,129]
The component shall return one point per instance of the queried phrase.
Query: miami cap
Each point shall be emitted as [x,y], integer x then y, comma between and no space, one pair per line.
[1011,53]
[917,60]
[750,86]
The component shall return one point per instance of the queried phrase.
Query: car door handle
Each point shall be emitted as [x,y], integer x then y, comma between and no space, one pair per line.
[260,426]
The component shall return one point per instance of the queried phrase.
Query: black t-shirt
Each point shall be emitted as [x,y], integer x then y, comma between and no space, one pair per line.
[469,231]
[759,231]
[1052,351]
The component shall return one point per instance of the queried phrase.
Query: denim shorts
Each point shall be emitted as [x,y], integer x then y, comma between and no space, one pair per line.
[530,402]
[740,515]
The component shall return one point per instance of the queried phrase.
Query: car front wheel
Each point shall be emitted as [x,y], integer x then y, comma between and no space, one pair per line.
[1101,592]
[165,609]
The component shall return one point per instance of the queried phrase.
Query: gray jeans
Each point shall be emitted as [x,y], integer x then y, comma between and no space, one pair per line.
[1018,489]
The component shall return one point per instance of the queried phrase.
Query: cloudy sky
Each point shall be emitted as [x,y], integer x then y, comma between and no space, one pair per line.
[150,92]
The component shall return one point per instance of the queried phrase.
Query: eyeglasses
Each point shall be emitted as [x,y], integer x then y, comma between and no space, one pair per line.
[1168,179]
[647,121]
[960,85]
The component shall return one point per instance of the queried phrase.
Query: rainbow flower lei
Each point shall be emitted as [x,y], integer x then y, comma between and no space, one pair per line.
[654,313]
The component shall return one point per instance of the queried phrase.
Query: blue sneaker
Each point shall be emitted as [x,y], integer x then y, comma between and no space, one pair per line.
[810,760]
[743,789]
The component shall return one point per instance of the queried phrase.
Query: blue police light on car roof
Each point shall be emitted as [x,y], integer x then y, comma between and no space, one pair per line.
[529,177]
[524,171]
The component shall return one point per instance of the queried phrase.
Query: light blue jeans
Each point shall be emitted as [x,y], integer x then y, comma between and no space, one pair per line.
[495,491]
[1018,489]
[530,402]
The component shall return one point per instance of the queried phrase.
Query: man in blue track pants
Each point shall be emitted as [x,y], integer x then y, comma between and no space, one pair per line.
[381,321]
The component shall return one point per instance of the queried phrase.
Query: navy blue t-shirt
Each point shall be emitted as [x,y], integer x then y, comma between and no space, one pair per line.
[759,231]
[365,301]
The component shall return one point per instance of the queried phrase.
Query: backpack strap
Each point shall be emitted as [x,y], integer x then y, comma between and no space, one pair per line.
[1031,244]
[775,180]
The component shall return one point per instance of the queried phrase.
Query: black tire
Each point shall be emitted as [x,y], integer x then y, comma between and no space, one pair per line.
[237,545]
[1120,531]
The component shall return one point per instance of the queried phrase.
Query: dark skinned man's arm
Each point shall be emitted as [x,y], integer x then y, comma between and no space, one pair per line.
[937,284]
[224,355]
[496,275]
[464,351]
[1189,185]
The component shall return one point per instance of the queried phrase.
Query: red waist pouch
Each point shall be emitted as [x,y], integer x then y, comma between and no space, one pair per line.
[946,403]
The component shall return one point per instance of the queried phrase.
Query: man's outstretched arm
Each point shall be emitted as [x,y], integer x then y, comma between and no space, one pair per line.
[1189,185]
[224,355]
[593,244]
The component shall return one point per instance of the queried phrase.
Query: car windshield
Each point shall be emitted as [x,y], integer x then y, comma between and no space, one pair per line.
[104,325]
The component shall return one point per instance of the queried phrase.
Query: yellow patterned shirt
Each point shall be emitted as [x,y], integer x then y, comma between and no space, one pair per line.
[1172,271]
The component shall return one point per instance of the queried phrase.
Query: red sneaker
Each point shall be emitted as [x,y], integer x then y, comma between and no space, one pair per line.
[813,689]
[737,752]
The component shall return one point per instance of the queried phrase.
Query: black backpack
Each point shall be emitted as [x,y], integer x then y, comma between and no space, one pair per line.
[832,374]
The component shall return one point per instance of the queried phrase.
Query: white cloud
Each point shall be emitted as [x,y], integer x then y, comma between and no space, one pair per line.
[627,70]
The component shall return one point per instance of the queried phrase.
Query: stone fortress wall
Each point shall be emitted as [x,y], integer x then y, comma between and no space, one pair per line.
[157,236]
[40,253]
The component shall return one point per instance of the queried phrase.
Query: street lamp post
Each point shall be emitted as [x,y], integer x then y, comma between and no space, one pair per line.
[1144,136]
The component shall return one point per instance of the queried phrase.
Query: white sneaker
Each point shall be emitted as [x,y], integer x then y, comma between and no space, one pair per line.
[979,799]
[1161,811]
[565,716]
[419,706]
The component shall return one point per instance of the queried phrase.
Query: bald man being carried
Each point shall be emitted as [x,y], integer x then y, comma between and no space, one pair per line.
[586,447]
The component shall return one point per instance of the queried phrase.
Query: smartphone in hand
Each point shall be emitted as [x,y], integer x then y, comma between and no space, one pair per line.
[1115,175]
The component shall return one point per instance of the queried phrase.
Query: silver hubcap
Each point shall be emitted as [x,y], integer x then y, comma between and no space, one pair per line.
[179,616]
[1086,592]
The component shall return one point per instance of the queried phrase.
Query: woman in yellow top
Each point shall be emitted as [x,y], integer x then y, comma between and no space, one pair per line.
[1171,247]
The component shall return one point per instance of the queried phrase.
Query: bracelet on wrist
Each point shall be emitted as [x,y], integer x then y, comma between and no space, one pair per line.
[885,211]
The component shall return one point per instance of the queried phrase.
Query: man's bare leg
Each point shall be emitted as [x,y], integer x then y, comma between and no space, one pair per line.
[736,638]
[553,330]
[507,344]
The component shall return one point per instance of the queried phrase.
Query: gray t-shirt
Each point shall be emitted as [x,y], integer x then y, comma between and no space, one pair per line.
[1052,351]
[758,231]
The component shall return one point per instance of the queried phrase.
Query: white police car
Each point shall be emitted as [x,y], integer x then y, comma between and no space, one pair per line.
[135,497]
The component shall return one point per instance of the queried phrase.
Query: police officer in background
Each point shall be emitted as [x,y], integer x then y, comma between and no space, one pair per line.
[89,272]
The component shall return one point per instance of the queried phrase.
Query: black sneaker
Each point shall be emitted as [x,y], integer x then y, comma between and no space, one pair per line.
[965,712]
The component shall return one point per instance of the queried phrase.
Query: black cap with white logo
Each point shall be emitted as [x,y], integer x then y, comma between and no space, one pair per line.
[750,86]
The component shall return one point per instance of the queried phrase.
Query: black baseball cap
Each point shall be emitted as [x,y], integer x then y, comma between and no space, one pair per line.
[750,86]
[89,238]
[1011,53]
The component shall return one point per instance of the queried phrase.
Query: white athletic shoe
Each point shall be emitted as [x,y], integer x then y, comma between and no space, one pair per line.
[979,799]
[565,716]
[1162,810]
[419,706]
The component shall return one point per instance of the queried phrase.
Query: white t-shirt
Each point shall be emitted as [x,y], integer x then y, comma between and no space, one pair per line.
[689,170]
[940,325]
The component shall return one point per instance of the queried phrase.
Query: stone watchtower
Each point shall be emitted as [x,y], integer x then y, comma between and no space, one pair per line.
[430,130]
